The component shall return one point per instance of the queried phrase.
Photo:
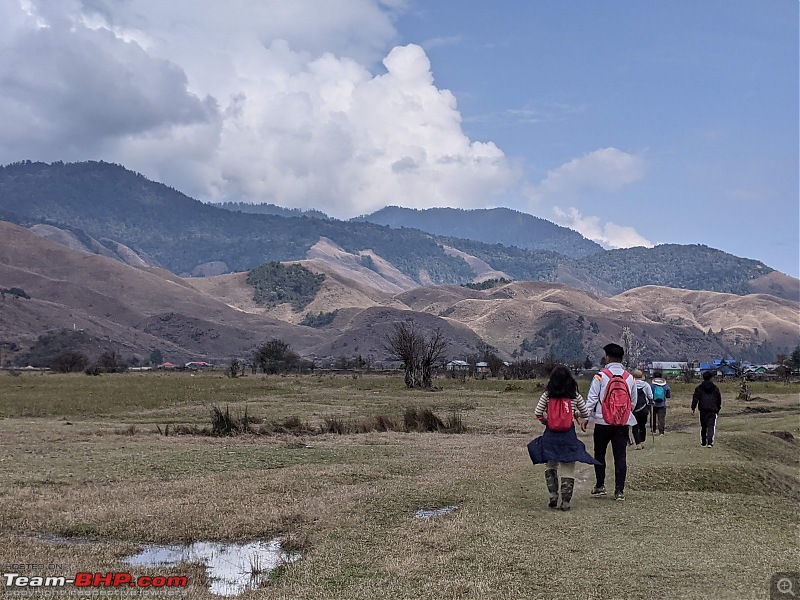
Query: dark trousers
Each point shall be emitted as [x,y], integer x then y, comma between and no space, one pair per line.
[659,417]
[618,436]
[708,426]
[640,429]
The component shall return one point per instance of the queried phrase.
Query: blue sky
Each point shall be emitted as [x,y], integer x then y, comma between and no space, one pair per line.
[635,123]
[706,93]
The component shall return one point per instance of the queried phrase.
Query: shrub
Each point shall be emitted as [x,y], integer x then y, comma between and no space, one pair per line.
[383,423]
[421,419]
[455,424]
[69,362]
[275,283]
[319,320]
[368,262]
[156,357]
[335,425]
[111,362]
[223,423]
[18,292]
[276,356]
[486,284]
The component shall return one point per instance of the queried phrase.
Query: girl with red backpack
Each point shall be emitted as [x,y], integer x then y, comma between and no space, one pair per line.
[559,447]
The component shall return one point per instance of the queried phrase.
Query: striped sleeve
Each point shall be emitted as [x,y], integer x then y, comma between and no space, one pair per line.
[541,406]
[580,404]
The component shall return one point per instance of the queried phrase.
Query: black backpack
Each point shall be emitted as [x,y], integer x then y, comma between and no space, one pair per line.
[641,400]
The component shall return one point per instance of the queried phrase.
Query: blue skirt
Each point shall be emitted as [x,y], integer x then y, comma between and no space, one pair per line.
[560,446]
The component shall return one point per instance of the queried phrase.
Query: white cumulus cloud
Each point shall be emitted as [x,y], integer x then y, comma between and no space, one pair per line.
[607,169]
[300,103]
[604,171]
[607,233]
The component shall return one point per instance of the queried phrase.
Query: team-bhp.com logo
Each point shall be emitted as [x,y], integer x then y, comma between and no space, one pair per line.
[15,581]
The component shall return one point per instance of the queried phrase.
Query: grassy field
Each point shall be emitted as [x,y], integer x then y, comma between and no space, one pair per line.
[83,457]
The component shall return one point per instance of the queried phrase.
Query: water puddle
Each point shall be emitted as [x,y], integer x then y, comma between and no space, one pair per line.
[428,513]
[232,568]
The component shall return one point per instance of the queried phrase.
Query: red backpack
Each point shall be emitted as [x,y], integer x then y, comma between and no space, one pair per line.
[559,414]
[616,403]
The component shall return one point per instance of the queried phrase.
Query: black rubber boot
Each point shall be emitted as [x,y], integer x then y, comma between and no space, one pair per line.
[567,486]
[551,476]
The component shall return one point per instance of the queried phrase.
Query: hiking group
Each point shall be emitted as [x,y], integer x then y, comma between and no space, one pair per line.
[619,403]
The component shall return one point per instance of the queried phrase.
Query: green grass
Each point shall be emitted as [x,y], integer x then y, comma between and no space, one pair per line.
[697,522]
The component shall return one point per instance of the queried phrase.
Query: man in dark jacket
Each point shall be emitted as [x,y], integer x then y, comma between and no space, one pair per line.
[708,398]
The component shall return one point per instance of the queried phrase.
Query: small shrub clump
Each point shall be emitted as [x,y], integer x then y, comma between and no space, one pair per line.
[224,423]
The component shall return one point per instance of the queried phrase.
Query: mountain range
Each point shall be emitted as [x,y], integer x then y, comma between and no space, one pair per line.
[107,258]
[123,210]
[490,226]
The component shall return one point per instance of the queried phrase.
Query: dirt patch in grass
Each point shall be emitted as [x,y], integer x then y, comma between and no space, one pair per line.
[755,409]
[785,436]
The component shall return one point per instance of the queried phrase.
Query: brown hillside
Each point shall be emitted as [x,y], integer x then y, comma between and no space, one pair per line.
[385,277]
[777,284]
[111,249]
[482,269]
[748,319]
[580,279]
[436,299]
[367,331]
[113,300]
[140,309]
[669,323]
[337,292]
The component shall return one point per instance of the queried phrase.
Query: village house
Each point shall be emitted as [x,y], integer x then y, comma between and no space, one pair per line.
[457,366]
[723,367]
[667,369]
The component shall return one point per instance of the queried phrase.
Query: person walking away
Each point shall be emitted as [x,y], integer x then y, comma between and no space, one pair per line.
[661,393]
[641,409]
[559,447]
[610,407]
[708,399]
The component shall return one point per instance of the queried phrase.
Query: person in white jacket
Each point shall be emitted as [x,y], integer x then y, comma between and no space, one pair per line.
[604,433]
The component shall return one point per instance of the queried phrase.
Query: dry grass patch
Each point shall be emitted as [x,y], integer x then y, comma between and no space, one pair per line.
[347,500]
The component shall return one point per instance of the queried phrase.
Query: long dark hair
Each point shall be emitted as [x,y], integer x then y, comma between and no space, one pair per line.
[562,384]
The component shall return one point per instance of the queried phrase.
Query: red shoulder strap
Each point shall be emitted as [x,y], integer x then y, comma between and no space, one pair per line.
[610,375]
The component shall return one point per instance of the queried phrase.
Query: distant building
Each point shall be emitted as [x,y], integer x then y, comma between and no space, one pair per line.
[198,364]
[668,368]
[457,365]
[721,366]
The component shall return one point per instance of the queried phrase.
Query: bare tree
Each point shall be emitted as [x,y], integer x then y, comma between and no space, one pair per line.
[403,343]
[784,369]
[234,367]
[633,348]
[495,363]
[472,365]
[418,352]
[433,351]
